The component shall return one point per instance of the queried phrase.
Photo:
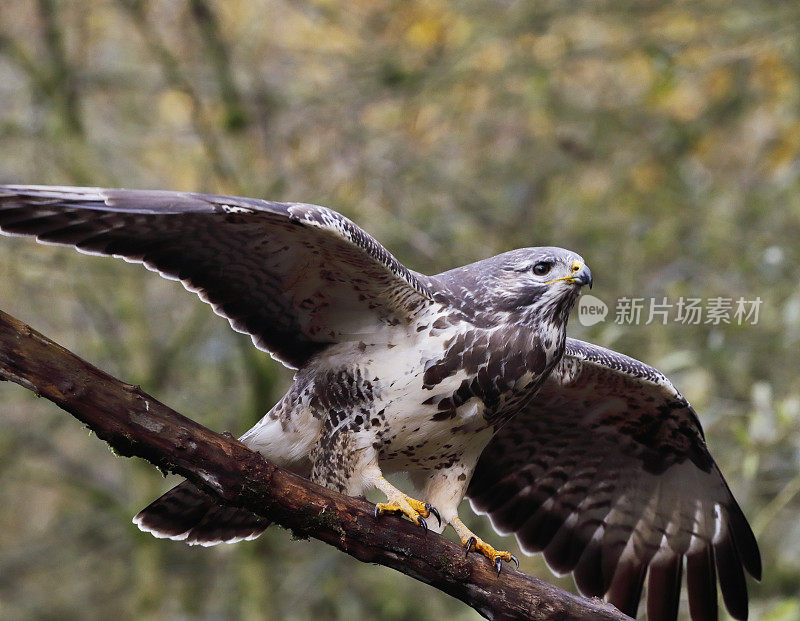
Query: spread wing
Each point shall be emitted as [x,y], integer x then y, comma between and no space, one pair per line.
[295,277]
[607,472]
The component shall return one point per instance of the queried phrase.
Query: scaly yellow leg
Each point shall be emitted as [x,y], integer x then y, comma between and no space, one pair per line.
[472,542]
[398,502]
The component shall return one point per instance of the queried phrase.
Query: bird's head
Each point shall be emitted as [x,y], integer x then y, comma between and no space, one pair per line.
[529,284]
[540,280]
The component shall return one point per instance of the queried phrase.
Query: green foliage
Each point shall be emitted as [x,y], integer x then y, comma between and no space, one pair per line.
[659,140]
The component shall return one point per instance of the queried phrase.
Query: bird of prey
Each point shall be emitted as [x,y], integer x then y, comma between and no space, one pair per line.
[465,380]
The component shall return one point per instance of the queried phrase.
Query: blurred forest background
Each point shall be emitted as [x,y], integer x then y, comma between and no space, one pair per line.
[660,140]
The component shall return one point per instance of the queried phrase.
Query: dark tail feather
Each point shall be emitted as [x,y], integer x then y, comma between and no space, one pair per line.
[188,514]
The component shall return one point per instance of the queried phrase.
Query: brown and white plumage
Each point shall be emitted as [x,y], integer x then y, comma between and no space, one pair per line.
[607,472]
[295,277]
[585,454]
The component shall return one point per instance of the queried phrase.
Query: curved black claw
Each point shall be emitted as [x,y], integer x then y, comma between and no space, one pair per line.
[470,542]
[498,562]
[434,511]
[421,521]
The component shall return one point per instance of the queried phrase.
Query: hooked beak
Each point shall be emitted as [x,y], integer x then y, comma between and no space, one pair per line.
[581,275]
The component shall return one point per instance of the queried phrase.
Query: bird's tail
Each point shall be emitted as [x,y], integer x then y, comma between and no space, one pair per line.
[187,513]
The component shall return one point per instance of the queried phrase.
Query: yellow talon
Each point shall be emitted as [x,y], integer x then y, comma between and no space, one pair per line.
[398,502]
[472,542]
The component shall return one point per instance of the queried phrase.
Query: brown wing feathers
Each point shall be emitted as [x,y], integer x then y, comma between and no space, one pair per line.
[576,477]
[243,256]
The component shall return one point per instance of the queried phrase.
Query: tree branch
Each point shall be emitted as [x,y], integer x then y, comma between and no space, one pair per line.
[134,423]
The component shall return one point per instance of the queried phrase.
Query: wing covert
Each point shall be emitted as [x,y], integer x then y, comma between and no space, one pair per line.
[295,277]
[607,473]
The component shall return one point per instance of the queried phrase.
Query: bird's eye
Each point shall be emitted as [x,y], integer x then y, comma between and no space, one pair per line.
[540,269]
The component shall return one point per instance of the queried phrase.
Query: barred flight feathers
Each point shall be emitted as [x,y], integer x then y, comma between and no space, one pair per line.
[607,472]
[295,277]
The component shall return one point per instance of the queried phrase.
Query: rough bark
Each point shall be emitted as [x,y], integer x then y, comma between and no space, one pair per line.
[134,423]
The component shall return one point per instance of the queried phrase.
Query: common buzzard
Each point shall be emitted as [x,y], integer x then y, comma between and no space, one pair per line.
[465,380]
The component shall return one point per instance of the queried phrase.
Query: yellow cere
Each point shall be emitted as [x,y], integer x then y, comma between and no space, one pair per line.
[576,266]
